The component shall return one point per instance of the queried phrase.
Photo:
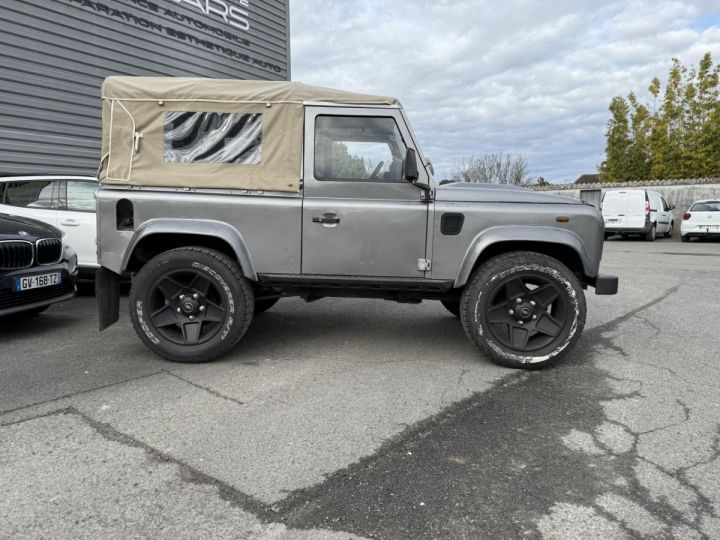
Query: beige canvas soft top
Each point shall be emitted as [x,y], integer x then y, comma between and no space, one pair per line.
[209,133]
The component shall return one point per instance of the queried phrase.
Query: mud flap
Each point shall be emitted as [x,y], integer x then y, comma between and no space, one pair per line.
[107,292]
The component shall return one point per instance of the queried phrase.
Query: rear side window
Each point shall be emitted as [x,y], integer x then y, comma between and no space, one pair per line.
[80,196]
[709,206]
[32,194]
[213,137]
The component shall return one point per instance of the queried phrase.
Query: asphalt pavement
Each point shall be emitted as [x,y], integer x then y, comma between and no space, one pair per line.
[369,419]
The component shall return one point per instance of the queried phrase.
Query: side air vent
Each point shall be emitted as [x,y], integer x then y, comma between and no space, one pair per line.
[451,223]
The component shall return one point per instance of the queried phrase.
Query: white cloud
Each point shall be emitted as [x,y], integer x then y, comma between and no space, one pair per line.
[525,77]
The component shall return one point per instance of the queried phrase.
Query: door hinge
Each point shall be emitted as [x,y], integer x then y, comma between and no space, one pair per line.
[424,264]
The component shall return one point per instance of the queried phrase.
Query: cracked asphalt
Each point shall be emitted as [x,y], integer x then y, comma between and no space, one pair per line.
[368,419]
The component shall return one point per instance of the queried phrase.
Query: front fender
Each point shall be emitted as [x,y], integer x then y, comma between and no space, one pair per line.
[520,233]
[203,227]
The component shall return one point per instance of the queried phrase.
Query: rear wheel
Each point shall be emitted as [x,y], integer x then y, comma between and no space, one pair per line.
[651,234]
[685,238]
[191,304]
[523,309]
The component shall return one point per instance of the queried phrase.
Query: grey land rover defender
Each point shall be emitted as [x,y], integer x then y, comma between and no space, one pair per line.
[222,197]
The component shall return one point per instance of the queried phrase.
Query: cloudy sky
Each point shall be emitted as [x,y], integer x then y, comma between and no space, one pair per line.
[518,76]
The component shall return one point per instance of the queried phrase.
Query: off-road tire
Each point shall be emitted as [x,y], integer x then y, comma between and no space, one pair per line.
[229,288]
[493,276]
[261,306]
[453,306]
[651,234]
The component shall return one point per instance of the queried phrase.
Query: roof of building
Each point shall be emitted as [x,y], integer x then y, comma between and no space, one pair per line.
[635,184]
[231,90]
[588,179]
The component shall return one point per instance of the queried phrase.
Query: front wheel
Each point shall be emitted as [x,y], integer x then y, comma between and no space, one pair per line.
[191,304]
[523,309]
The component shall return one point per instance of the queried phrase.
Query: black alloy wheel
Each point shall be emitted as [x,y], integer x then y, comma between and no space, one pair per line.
[186,308]
[526,312]
[523,309]
[191,304]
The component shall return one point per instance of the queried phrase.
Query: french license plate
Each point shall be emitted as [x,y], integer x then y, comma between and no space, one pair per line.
[709,228]
[36,282]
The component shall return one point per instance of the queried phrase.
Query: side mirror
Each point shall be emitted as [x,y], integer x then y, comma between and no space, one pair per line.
[411,169]
[672,207]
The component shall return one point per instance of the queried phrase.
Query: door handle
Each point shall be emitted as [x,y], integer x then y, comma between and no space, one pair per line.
[69,223]
[327,219]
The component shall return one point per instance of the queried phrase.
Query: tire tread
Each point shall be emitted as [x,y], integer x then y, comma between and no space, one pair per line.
[237,277]
[497,264]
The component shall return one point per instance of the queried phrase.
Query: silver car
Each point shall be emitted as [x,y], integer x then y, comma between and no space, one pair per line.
[224,197]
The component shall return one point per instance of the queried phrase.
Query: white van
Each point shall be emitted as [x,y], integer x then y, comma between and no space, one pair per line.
[637,211]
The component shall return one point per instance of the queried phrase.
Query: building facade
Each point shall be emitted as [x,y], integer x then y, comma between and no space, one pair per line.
[54,55]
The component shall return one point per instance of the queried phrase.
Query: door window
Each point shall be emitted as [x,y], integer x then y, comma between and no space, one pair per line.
[358,148]
[81,196]
[32,194]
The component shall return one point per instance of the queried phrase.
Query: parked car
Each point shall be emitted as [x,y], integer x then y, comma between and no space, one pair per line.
[65,202]
[702,220]
[223,197]
[637,211]
[37,268]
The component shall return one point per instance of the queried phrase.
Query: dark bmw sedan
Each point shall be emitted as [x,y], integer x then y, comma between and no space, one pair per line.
[36,267]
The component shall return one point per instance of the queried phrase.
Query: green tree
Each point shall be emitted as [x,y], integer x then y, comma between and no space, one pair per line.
[638,152]
[678,137]
[616,164]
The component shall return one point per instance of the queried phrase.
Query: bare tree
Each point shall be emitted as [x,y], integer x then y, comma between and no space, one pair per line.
[491,169]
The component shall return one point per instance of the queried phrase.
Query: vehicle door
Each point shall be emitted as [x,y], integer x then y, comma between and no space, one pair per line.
[76,218]
[613,209]
[635,209]
[360,216]
[36,199]
[664,217]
